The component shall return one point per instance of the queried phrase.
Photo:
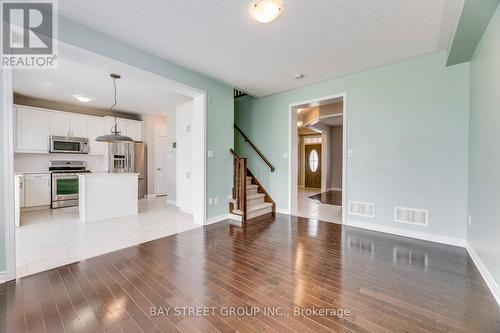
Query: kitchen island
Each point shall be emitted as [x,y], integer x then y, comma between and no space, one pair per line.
[107,195]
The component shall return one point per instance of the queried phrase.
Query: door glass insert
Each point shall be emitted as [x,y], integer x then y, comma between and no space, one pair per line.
[67,186]
[313,160]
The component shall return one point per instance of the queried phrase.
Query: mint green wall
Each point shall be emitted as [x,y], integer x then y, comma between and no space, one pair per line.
[484,158]
[476,15]
[220,100]
[408,126]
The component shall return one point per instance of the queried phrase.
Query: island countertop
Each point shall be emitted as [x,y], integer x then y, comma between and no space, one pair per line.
[107,174]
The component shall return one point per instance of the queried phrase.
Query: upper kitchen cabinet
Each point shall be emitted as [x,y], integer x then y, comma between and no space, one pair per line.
[60,123]
[79,126]
[96,128]
[32,130]
[68,124]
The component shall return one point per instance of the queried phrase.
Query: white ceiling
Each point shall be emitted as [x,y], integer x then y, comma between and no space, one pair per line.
[84,73]
[323,39]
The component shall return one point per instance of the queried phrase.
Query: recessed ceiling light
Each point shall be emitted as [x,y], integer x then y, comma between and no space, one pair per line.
[82,99]
[265,11]
[298,76]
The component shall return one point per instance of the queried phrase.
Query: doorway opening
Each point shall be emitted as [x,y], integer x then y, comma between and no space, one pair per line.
[317,158]
[41,106]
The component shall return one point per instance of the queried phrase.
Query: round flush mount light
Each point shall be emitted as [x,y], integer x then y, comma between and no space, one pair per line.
[298,76]
[265,11]
[82,99]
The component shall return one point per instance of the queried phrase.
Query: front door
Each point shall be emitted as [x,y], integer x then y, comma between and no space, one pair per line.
[313,166]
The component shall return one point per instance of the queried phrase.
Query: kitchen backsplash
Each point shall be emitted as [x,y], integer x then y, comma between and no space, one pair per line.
[39,162]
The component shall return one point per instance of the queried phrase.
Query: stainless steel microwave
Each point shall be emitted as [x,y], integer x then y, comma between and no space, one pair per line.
[66,144]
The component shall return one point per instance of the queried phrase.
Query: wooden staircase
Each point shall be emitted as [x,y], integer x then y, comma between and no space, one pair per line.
[250,199]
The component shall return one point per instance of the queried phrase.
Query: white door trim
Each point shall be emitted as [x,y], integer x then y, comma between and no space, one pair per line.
[293,158]
[6,96]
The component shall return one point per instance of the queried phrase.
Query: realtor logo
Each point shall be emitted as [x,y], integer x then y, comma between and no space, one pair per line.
[29,37]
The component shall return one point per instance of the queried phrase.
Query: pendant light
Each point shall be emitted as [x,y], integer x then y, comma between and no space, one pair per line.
[115,135]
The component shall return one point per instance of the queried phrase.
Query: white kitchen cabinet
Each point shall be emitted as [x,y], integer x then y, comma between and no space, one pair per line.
[60,123]
[37,190]
[96,128]
[68,124]
[183,161]
[32,130]
[78,126]
[134,129]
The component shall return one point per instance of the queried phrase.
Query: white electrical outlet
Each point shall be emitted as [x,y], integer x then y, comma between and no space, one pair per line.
[210,201]
[470,220]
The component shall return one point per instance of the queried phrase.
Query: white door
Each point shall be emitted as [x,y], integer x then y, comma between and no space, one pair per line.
[60,124]
[184,116]
[161,152]
[96,128]
[79,126]
[32,127]
[134,129]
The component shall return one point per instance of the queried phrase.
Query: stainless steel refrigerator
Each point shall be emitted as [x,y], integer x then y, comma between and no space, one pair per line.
[129,157]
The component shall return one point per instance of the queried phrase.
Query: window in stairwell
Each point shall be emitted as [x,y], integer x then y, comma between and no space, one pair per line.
[313,160]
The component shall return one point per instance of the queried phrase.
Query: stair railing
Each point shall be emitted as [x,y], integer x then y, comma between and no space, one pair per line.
[255,148]
[239,184]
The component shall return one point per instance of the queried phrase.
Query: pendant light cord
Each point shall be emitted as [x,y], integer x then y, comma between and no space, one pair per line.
[114,104]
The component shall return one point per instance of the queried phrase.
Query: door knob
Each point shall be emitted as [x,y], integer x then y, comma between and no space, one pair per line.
[159,169]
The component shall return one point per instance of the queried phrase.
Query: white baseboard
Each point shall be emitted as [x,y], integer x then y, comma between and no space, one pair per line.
[223,217]
[282,211]
[485,273]
[3,277]
[150,196]
[408,233]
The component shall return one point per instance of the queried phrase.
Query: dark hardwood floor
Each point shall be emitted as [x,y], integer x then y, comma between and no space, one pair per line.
[368,281]
[332,197]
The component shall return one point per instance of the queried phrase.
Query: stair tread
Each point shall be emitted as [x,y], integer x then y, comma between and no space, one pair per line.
[259,206]
[252,186]
[255,195]
[249,177]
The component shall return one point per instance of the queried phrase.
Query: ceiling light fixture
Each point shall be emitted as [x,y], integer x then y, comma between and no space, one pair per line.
[115,135]
[265,11]
[82,99]
[298,76]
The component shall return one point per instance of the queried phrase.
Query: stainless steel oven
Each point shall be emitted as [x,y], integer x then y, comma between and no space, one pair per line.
[66,144]
[65,182]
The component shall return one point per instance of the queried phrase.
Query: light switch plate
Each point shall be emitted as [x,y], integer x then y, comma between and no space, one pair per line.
[350,153]
[210,154]
[285,155]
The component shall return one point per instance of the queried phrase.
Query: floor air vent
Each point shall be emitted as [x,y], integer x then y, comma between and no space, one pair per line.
[364,209]
[411,216]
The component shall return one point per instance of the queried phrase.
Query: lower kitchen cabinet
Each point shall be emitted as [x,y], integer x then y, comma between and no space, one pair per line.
[36,190]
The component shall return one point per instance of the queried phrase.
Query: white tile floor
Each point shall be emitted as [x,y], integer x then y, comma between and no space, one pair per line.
[51,238]
[307,207]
